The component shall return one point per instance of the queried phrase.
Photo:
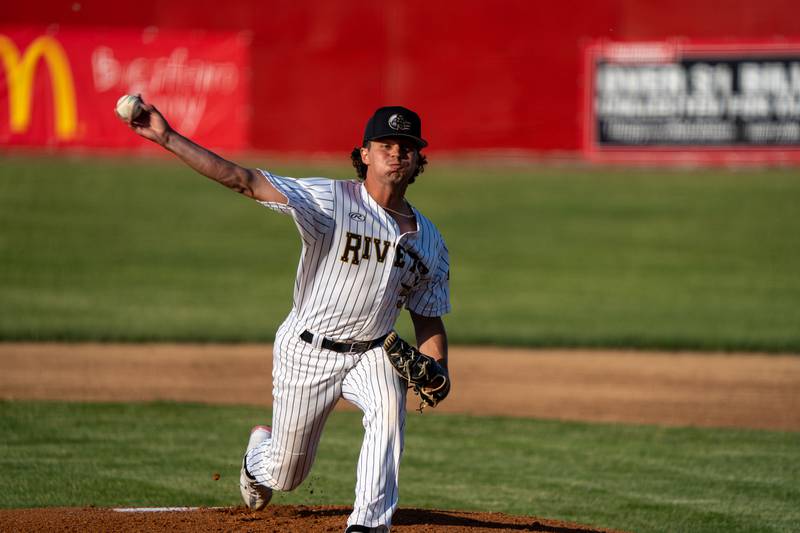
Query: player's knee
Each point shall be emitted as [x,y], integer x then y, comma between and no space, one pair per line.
[394,405]
[391,413]
[388,415]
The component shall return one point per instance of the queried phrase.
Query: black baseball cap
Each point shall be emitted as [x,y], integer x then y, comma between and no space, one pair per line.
[395,121]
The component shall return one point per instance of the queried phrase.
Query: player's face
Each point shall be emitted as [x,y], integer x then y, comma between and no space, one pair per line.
[391,158]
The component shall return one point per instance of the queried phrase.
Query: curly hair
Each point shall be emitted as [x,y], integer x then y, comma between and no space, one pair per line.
[361,167]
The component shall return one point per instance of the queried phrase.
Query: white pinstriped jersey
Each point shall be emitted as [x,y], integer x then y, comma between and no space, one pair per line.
[356,270]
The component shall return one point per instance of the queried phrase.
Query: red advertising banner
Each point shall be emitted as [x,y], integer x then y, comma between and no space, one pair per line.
[59,88]
[695,101]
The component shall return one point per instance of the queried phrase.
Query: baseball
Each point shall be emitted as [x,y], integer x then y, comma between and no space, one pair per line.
[129,107]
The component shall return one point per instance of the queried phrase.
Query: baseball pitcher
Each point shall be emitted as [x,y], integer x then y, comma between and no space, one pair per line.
[367,253]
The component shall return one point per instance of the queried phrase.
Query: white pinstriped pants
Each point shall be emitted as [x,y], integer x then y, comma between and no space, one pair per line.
[307,383]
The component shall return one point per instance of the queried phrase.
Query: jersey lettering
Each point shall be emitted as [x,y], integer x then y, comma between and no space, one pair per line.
[353,252]
[358,247]
[402,297]
[399,257]
[381,255]
[367,244]
[353,244]
[417,266]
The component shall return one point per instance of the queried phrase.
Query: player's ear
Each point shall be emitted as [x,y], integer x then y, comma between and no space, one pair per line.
[365,154]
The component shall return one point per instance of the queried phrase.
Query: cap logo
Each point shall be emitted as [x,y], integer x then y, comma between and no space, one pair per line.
[399,123]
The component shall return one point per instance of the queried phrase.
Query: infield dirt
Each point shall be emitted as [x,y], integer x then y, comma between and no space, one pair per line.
[681,389]
[677,389]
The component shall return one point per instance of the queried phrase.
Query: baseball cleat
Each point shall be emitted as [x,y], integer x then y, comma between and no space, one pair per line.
[255,495]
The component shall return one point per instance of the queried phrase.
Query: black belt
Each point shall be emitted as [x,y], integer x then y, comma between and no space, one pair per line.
[344,347]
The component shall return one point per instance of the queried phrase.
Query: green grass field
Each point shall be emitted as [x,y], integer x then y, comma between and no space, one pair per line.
[627,477]
[94,249]
[145,250]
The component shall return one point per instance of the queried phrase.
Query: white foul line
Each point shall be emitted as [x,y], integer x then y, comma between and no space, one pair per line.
[155,509]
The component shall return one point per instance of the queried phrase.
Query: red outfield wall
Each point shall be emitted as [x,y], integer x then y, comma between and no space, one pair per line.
[497,74]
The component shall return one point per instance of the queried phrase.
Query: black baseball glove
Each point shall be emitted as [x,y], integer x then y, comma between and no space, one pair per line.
[430,380]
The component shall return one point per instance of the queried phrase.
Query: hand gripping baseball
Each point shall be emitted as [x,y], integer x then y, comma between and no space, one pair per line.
[149,123]
[430,380]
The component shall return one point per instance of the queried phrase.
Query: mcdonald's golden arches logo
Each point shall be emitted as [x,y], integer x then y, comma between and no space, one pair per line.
[20,69]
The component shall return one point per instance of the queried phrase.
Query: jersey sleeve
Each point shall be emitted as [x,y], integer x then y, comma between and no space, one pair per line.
[432,297]
[311,202]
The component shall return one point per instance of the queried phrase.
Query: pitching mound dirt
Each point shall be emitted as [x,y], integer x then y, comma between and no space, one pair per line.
[286,519]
